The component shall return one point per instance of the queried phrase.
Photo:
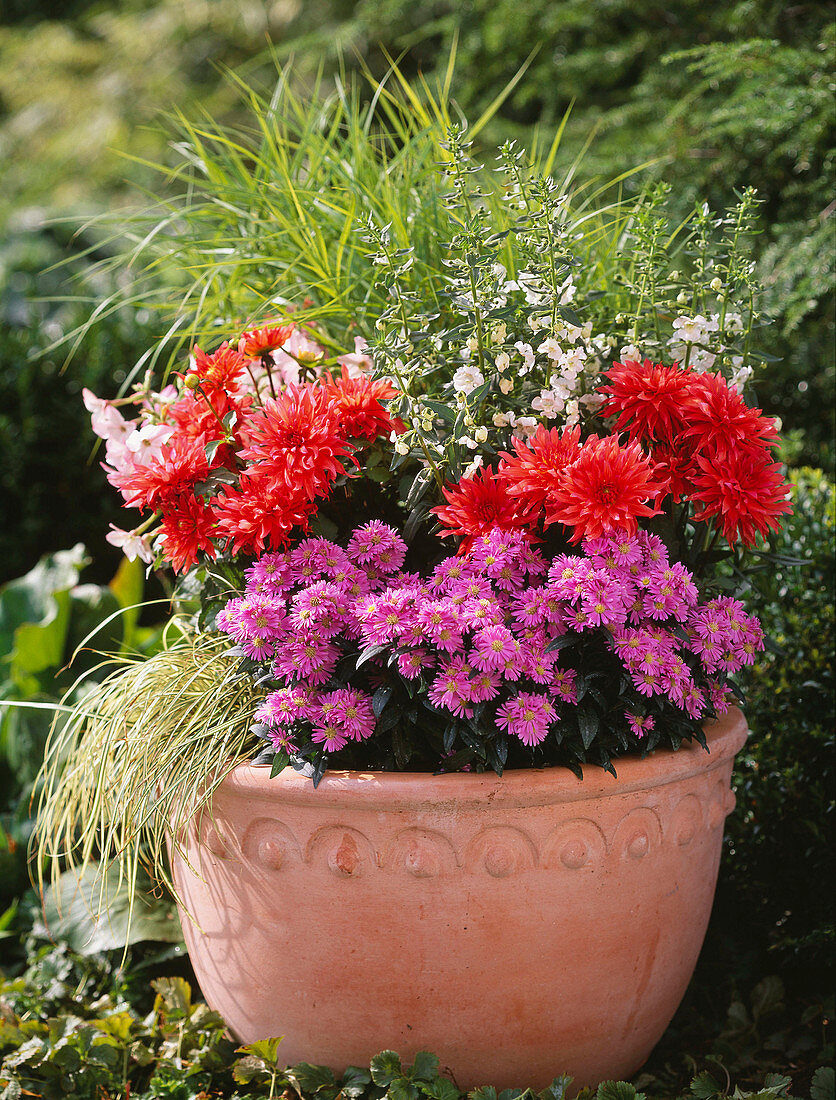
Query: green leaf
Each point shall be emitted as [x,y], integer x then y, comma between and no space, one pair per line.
[385,1067]
[31,599]
[367,654]
[557,1089]
[128,586]
[91,912]
[249,1070]
[380,698]
[617,1090]
[704,1087]
[445,412]
[354,1082]
[211,449]
[174,997]
[588,724]
[119,1024]
[265,1049]
[401,1089]
[823,1085]
[311,1078]
[767,995]
[280,762]
[425,1066]
[441,1089]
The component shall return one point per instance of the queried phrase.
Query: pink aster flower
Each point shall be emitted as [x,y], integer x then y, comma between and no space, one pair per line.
[281,740]
[448,572]
[283,707]
[604,601]
[563,684]
[640,724]
[451,687]
[415,661]
[528,608]
[538,665]
[328,734]
[694,702]
[647,683]
[720,696]
[378,545]
[492,647]
[308,560]
[258,647]
[309,659]
[262,614]
[441,623]
[351,711]
[483,612]
[319,608]
[484,686]
[526,716]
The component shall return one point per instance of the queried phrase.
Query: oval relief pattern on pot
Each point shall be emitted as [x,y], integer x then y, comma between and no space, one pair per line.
[722,802]
[637,834]
[423,853]
[685,821]
[344,850]
[271,844]
[215,841]
[575,845]
[497,850]
[501,850]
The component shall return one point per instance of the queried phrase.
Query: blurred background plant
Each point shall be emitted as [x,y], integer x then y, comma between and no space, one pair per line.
[711,97]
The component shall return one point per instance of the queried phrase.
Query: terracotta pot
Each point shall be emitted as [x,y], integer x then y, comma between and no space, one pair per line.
[518,927]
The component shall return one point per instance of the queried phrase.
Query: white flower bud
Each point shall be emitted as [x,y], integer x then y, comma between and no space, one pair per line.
[481,434]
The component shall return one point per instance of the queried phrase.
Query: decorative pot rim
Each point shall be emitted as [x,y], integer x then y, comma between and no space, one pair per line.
[520,787]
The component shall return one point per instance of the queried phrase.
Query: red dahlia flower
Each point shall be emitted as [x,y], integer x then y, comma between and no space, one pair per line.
[673,465]
[187,527]
[357,405]
[181,466]
[533,471]
[201,418]
[604,490]
[648,398]
[743,489]
[217,373]
[260,341]
[257,516]
[296,444]
[476,504]
[718,419]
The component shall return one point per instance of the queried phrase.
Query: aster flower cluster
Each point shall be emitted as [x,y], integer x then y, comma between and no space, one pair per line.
[240,454]
[573,658]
